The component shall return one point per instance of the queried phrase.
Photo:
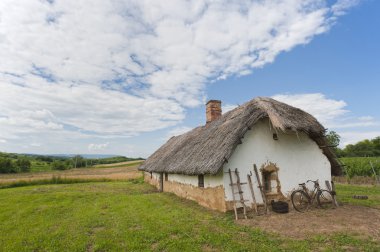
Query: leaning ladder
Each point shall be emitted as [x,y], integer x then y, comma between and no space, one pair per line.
[240,192]
[254,204]
[263,196]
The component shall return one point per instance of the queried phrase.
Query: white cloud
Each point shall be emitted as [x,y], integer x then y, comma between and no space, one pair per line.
[94,147]
[177,131]
[366,118]
[324,109]
[341,6]
[352,137]
[84,107]
[334,115]
[228,107]
[3,141]
[331,113]
[126,67]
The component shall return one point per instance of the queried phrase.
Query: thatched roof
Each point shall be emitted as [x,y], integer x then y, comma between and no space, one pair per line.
[205,149]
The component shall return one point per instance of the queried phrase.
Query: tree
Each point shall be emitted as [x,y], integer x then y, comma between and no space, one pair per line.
[365,148]
[376,144]
[6,165]
[58,165]
[22,165]
[333,138]
[79,161]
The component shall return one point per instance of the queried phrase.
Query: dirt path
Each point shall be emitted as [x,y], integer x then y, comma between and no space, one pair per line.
[362,221]
[119,173]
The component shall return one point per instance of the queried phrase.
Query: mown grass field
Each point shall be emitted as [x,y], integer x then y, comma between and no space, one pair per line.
[345,193]
[119,171]
[121,164]
[42,166]
[132,216]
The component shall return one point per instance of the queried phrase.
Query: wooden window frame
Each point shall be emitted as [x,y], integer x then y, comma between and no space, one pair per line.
[201,181]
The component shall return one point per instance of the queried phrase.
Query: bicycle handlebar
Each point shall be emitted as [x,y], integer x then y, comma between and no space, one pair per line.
[314,181]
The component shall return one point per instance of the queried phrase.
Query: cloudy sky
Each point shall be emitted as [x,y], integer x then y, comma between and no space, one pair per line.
[121,77]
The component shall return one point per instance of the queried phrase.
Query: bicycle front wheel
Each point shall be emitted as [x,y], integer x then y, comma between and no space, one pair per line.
[300,200]
[325,199]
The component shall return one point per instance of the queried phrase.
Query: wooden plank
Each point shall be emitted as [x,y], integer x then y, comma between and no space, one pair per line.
[261,188]
[237,184]
[252,192]
[333,189]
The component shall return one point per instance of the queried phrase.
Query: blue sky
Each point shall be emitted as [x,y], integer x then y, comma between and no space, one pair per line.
[130,74]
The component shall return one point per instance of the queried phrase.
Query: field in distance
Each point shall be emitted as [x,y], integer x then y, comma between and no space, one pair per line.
[116,171]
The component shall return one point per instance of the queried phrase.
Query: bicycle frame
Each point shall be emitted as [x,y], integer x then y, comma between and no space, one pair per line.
[303,198]
[313,195]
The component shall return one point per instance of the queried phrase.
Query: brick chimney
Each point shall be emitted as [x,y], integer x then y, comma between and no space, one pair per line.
[213,110]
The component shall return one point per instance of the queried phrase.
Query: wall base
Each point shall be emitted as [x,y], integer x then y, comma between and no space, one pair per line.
[211,197]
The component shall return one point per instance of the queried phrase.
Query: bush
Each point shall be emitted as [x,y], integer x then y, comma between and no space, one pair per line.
[360,166]
[22,165]
[6,165]
[59,165]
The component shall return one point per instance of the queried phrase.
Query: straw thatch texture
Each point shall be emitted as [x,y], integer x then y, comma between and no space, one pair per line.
[205,149]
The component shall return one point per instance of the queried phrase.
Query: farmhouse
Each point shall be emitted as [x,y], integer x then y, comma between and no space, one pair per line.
[287,144]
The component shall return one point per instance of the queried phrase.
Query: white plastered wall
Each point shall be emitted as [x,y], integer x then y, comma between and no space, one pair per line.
[209,180]
[297,156]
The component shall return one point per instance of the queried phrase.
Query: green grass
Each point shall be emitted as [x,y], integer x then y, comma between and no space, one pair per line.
[345,193]
[131,216]
[118,165]
[40,166]
[53,180]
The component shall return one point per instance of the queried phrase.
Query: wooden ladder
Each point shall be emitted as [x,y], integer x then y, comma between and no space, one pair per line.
[240,192]
[263,196]
[254,204]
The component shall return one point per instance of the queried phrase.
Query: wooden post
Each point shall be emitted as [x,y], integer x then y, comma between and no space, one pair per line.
[333,188]
[161,182]
[252,192]
[261,189]
[333,193]
[374,173]
[233,193]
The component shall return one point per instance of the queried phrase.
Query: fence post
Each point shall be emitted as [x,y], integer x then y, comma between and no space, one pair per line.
[374,173]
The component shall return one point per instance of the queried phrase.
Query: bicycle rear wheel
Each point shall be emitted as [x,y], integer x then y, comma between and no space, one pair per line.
[300,200]
[325,199]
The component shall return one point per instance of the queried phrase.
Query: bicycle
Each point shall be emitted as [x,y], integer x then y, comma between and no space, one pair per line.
[302,199]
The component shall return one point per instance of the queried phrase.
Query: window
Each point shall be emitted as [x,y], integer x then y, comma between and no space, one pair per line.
[166,176]
[201,181]
[267,181]
[275,136]
[271,183]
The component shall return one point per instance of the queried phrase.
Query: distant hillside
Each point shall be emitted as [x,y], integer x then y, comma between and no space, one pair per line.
[26,162]
[82,155]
